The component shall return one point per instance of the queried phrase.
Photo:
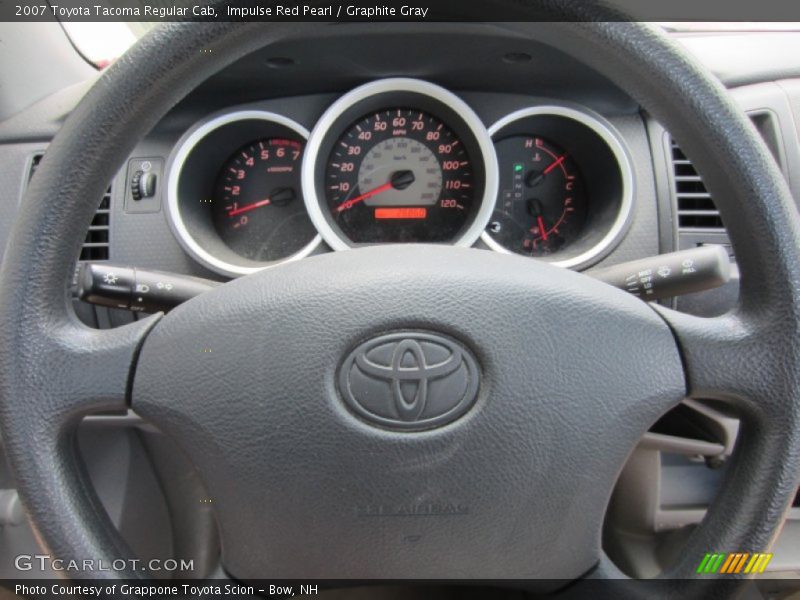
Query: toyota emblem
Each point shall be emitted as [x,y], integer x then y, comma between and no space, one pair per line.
[409,380]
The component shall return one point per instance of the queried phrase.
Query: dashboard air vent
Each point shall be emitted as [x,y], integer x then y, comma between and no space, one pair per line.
[696,209]
[37,158]
[96,244]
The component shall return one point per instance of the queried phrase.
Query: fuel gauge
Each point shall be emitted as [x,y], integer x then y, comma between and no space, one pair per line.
[541,205]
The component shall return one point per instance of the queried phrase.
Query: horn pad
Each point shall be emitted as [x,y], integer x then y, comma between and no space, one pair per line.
[355,414]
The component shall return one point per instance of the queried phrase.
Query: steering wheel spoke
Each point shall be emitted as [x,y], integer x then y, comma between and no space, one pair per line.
[70,372]
[84,371]
[747,360]
[729,358]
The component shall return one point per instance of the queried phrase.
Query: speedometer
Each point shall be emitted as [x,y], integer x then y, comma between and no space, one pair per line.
[400,175]
[399,161]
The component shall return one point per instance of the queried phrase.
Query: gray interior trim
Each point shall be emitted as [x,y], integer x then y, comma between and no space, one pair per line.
[745,58]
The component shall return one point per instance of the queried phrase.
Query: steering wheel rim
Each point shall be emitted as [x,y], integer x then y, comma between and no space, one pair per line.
[63,370]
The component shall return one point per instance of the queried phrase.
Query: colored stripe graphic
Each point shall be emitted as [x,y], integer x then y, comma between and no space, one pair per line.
[729,562]
[702,567]
[752,563]
[763,562]
[717,563]
[734,562]
[741,562]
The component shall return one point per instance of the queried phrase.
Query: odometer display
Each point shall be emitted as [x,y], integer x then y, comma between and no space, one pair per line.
[400,175]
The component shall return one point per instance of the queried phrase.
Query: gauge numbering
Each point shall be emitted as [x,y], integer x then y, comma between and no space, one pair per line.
[399,161]
[400,175]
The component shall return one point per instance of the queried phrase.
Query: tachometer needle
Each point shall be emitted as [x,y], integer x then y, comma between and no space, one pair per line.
[279,197]
[243,209]
[399,181]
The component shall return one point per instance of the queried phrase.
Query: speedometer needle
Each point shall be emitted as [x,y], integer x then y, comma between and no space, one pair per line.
[399,181]
[378,190]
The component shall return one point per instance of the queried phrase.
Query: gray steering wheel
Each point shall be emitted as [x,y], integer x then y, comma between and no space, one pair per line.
[294,474]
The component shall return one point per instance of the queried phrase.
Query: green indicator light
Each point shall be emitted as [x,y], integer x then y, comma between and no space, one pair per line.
[518,168]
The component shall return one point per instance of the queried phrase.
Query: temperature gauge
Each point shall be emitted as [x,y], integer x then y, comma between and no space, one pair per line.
[541,206]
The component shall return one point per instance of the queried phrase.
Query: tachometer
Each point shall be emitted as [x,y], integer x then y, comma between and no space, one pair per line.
[398,161]
[234,194]
[258,209]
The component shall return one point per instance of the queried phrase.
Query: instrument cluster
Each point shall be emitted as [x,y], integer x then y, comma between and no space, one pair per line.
[399,161]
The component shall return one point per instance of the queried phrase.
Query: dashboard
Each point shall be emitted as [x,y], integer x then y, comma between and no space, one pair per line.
[398,160]
[492,142]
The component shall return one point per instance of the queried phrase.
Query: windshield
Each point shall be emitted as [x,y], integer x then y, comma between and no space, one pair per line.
[101,43]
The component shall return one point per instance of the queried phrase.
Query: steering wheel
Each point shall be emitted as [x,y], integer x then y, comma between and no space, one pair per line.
[247,378]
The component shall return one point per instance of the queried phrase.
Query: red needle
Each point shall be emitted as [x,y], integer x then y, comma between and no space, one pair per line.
[349,204]
[554,164]
[542,229]
[247,207]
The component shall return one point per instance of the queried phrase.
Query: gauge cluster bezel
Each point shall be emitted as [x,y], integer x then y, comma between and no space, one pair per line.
[606,170]
[192,176]
[592,141]
[398,93]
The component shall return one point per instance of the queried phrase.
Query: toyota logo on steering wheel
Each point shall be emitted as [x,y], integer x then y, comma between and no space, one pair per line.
[409,380]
